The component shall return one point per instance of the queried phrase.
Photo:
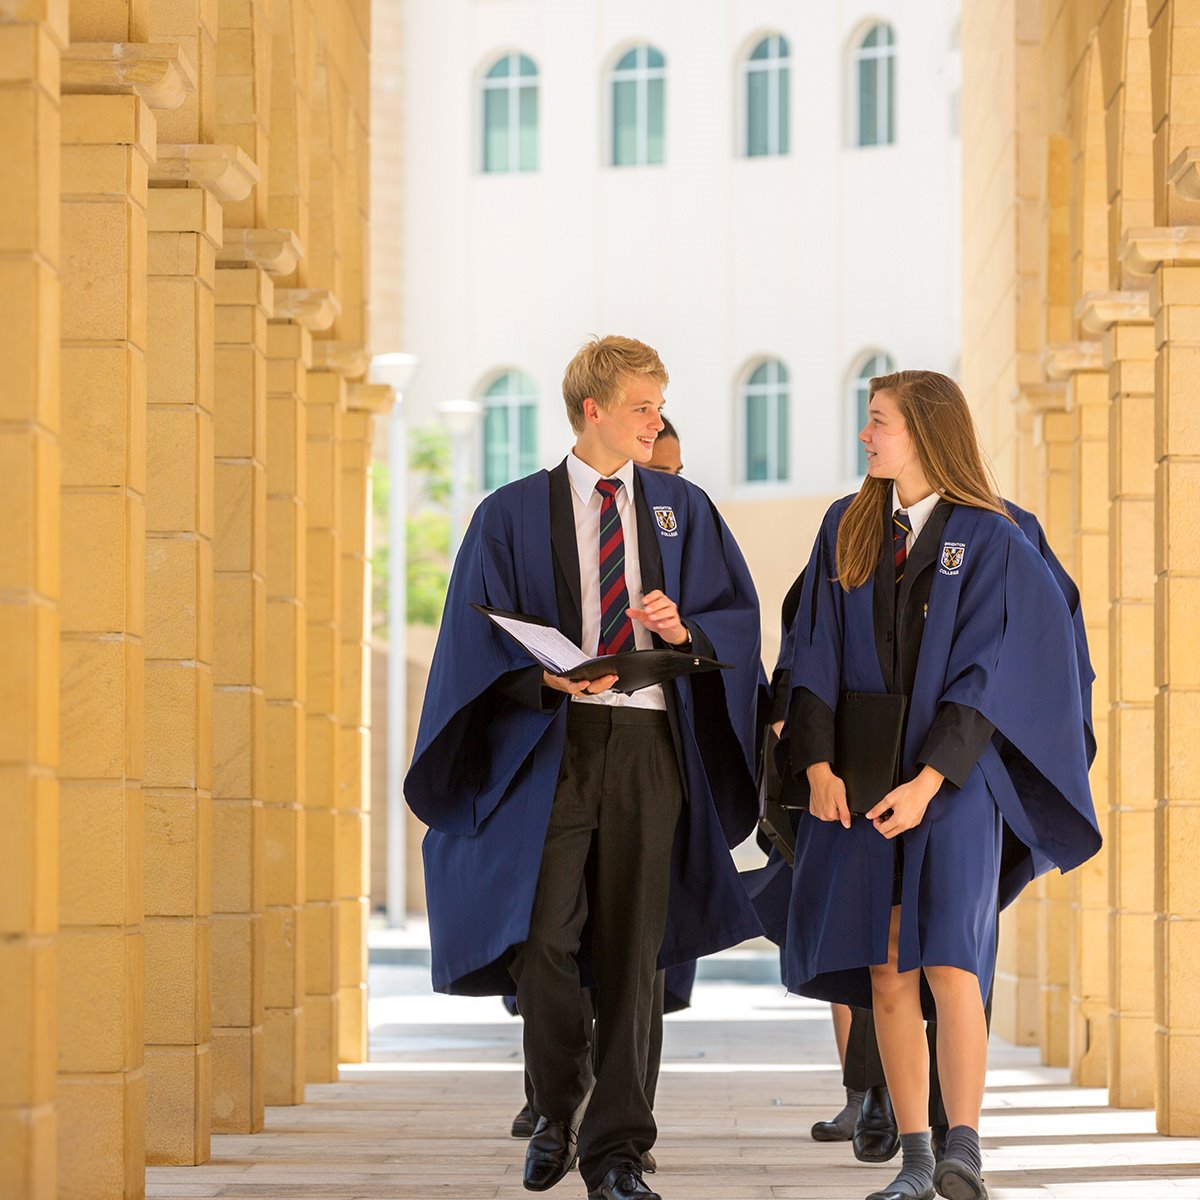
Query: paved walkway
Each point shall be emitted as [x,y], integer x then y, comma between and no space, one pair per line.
[745,1074]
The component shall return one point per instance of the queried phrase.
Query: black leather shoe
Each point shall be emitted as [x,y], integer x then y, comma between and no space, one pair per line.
[649,1164]
[524,1123]
[876,1138]
[956,1181]
[937,1139]
[623,1182]
[888,1194]
[552,1151]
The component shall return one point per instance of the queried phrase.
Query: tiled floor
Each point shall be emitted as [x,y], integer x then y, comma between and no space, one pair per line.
[745,1074]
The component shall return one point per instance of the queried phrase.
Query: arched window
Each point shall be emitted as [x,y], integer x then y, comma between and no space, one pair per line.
[510,115]
[639,84]
[767,88]
[764,403]
[875,363]
[509,429]
[875,87]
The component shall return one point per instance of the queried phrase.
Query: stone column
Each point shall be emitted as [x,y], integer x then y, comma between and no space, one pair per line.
[185,226]
[107,143]
[1055,439]
[1129,353]
[1017,1008]
[29,592]
[325,408]
[244,299]
[289,354]
[1175,304]
[1082,365]
[354,798]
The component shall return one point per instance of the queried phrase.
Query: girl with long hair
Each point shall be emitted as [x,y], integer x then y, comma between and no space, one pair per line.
[923,586]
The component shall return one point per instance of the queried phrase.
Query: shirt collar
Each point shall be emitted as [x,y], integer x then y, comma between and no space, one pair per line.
[584,478]
[918,513]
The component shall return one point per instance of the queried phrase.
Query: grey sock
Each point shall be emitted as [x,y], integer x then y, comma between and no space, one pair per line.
[848,1117]
[962,1145]
[916,1174]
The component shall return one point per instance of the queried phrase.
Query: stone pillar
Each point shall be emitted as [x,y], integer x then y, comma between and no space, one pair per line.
[244,298]
[185,228]
[1087,397]
[354,798]
[1017,1008]
[1129,352]
[325,407]
[289,354]
[107,143]
[29,591]
[1055,438]
[1175,303]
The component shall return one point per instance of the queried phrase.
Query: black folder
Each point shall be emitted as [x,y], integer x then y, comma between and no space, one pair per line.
[634,669]
[773,817]
[868,740]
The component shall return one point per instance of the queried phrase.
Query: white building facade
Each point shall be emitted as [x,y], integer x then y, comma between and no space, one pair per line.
[768,192]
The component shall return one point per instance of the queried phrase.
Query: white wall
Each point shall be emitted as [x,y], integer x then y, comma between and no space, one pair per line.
[712,258]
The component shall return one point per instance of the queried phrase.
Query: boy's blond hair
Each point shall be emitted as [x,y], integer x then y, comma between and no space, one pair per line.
[599,367]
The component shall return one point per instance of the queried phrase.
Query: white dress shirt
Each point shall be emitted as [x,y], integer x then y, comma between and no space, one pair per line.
[586,502]
[918,514]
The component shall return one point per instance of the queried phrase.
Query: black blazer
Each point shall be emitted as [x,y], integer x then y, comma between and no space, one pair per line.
[959,734]
[525,685]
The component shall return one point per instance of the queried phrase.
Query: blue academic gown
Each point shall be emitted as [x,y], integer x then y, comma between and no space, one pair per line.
[485,768]
[1000,637]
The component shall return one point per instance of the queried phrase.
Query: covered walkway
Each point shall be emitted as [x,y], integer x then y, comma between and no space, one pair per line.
[745,1073]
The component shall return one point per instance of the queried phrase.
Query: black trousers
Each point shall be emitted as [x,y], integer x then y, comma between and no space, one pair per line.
[654,1050]
[864,1067]
[605,868]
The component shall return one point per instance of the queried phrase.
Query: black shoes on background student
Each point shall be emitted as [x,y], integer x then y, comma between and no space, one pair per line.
[876,1139]
[524,1122]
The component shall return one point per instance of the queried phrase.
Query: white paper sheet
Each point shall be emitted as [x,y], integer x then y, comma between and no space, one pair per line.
[550,647]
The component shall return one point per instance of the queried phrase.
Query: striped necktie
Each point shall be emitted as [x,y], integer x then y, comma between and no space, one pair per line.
[901,528]
[616,627]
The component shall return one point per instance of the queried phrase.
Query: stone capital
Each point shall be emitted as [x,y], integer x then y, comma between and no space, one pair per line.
[314,308]
[370,397]
[1099,311]
[1050,396]
[1184,173]
[1064,359]
[162,74]
[1142,250]
[347,359]
[226,171]
[276,251]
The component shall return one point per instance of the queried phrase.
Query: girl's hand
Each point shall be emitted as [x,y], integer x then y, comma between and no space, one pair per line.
[585,687]
[907,804]
[827,795]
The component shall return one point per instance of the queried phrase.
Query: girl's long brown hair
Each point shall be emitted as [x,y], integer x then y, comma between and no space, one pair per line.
[943,433]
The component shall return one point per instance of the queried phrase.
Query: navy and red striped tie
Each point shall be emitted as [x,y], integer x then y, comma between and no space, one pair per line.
[901,528]
[616,627]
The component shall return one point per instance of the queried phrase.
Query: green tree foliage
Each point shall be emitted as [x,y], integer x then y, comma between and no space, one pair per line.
[428,530]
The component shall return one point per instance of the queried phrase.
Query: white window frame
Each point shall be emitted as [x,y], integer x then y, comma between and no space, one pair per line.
[772,65]
[513,83]
[771,389]
[641,74]
[885,115]
[512,402]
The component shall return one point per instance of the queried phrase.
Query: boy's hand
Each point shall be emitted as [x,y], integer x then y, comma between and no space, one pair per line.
[584,687]
[659,615]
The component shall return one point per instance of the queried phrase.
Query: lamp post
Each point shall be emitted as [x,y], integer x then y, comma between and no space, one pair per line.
[460,418]
[396,370]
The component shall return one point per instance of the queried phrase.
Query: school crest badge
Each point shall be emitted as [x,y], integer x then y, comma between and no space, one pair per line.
[664,515]
[952,557]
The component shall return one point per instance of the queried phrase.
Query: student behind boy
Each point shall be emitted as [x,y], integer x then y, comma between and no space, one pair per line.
[523,776]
